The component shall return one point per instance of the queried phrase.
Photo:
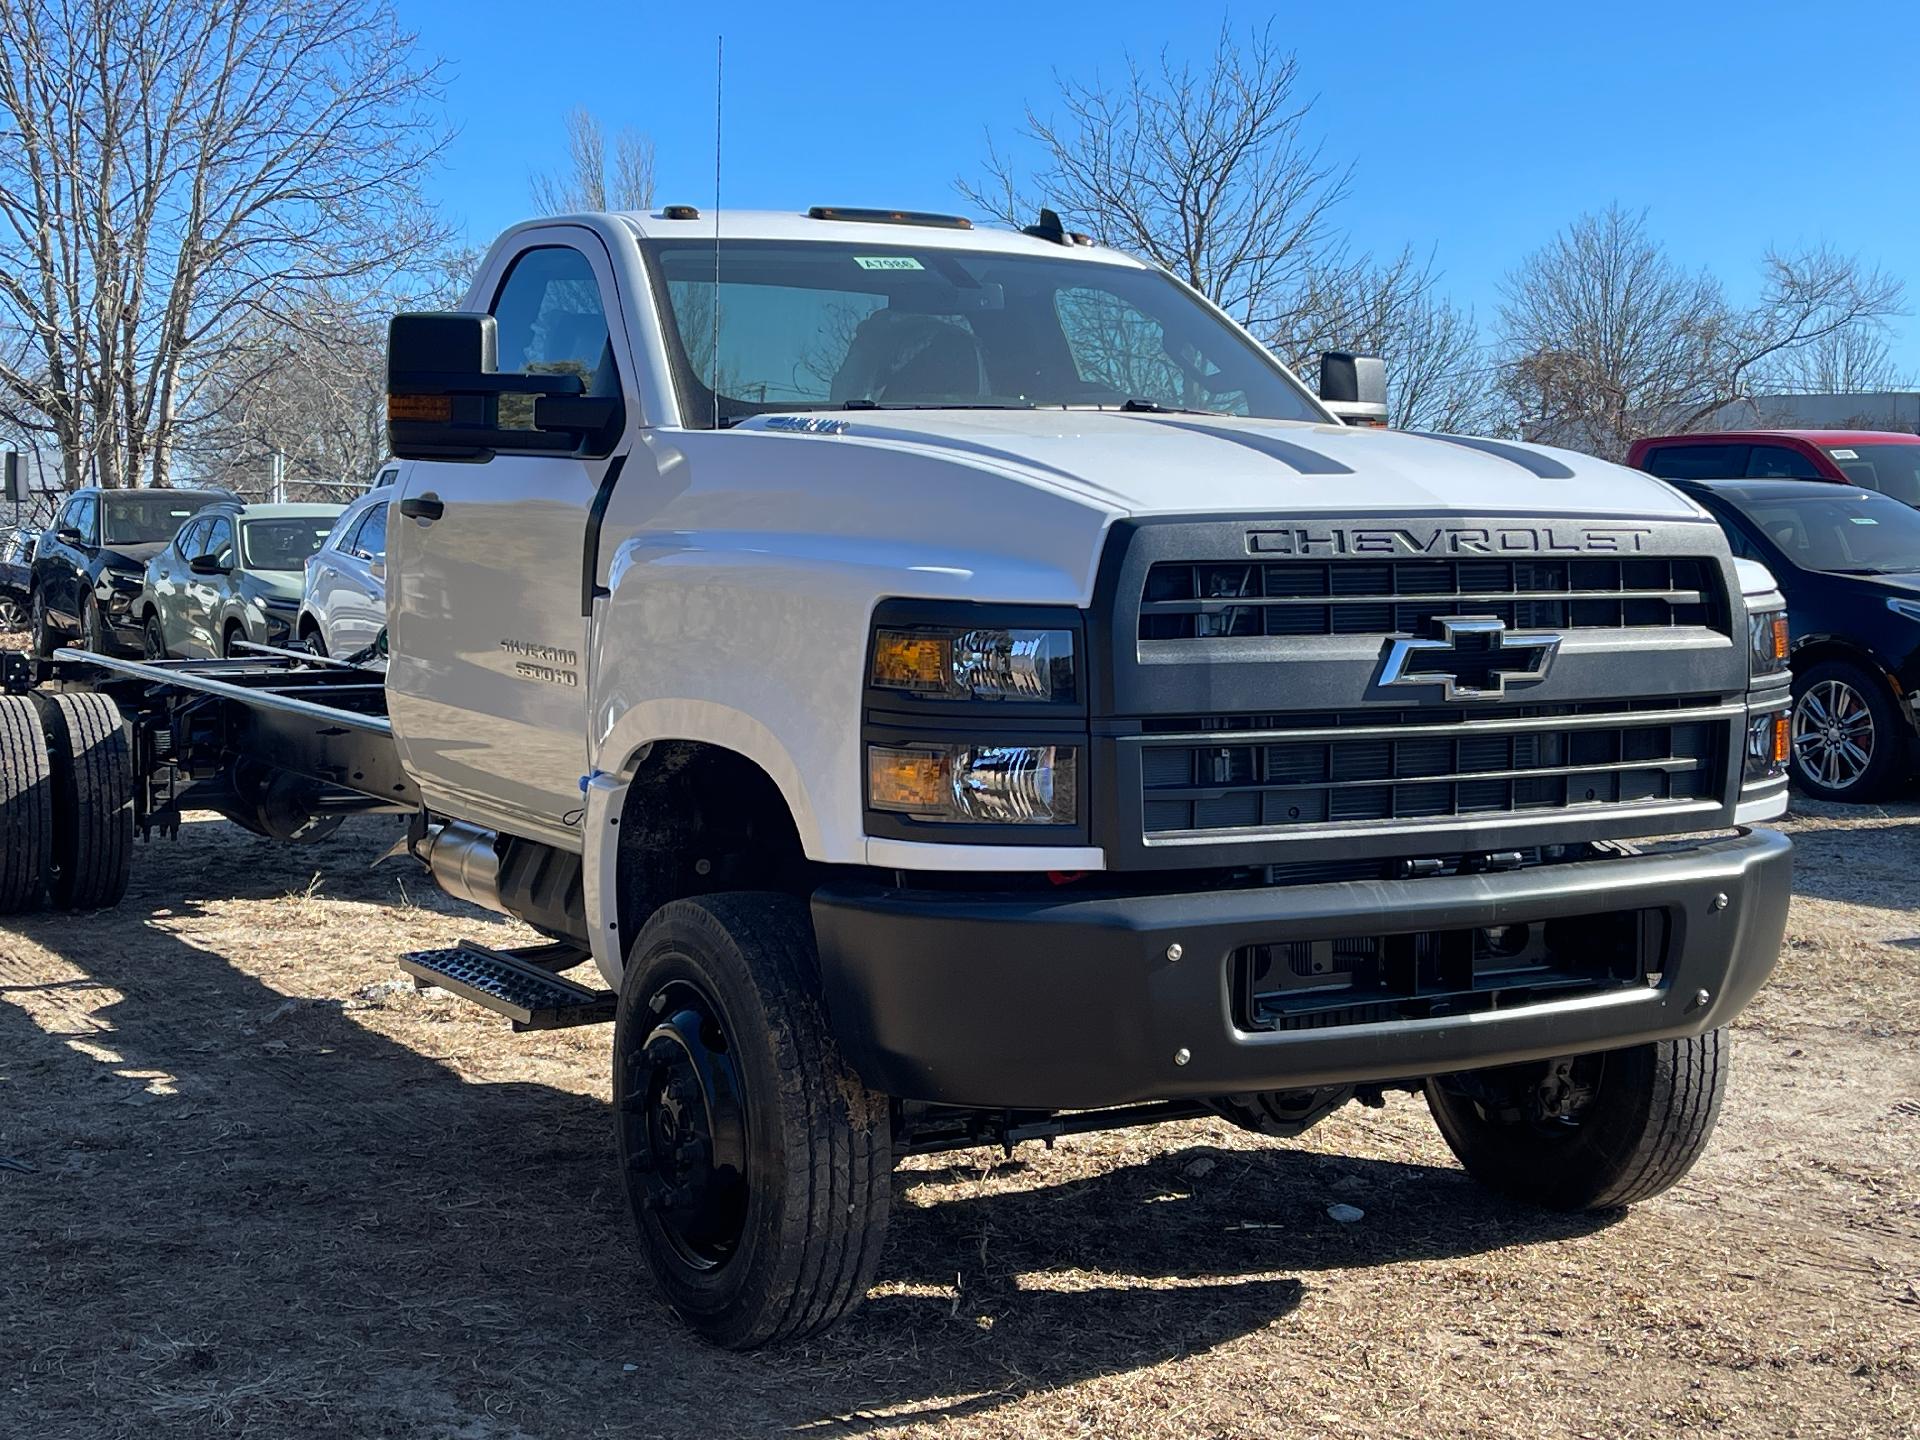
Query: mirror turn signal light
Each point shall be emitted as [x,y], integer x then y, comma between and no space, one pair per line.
[434,409]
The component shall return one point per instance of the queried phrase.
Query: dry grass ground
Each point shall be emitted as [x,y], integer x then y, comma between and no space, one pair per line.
[264,1189]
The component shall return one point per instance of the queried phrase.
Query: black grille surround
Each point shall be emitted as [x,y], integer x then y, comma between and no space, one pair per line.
[1238,717]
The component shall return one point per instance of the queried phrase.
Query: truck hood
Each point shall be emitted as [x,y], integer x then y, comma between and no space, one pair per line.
[1147,464]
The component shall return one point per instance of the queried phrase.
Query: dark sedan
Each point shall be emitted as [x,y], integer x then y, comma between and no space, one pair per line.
[89,564]
[1848,562]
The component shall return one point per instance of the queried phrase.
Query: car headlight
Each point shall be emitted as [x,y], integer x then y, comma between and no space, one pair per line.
[977,783]
[1767,642]
[943,662]
[1907,608]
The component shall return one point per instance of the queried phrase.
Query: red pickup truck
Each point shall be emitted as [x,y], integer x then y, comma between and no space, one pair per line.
[1883,460]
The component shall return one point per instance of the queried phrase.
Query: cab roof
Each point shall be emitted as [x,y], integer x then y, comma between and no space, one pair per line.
[940,233]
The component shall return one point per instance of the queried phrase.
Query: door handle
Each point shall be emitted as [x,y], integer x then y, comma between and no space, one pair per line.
[424,508]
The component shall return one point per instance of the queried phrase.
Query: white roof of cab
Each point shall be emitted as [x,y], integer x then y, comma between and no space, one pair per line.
[798,225]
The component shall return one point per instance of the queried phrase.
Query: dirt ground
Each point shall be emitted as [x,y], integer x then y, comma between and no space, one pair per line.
[254,1184]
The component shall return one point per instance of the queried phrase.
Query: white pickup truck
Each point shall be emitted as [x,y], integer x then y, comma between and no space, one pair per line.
[957,688]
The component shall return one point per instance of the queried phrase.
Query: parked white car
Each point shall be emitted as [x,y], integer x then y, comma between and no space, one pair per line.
[344,606]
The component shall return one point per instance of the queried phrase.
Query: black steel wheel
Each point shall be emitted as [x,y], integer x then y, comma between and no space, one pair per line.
[1588,1132]
[26,805]
[92,755]
[758,1167]
[1846,744]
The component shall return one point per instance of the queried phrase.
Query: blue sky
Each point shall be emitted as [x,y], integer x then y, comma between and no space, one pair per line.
[1475,130]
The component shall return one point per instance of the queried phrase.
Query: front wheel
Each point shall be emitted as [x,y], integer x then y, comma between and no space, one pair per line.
[758,1167]
[1591,1132]
[13,615]
[93,627]
[42,638]
[153,637]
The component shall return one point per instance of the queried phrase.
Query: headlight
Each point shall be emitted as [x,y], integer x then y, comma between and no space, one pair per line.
[1767,642]
[979,784]
[955,663]
[1767,743]
[1908,608]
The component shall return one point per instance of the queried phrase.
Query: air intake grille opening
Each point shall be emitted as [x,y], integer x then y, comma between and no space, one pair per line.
[1314,984]
[1241,599]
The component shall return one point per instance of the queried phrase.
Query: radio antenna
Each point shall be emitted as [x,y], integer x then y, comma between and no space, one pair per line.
[719,73]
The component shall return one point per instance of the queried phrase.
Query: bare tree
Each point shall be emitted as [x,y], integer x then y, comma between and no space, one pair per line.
[1854,361]
[596,179]
[1214,175]
[1606,337]
[170,172]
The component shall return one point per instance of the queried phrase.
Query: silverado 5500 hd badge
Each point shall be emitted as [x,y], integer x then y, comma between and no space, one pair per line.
[548,663]
[1318,540]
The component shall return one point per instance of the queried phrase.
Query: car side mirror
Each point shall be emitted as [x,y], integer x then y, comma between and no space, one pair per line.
[69,534]
[206,565]
[447,398]
[1354,387]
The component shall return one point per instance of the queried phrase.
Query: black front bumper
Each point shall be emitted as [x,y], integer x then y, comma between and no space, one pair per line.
[1052,1002]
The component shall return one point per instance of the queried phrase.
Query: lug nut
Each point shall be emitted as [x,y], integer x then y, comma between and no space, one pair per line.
[1182,1055]
[1174,952]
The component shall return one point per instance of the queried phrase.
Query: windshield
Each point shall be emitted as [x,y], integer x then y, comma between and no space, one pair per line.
[808,326]
[283,544]
[1850,534]
[1891,469]
[148,519]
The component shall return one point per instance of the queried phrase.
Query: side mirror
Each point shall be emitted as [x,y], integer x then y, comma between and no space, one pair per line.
[206,565]
[1354,387]
[448,400]
[68,534]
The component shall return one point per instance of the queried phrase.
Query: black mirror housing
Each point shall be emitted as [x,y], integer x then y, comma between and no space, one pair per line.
[1354,387]
[206,565]
[445,393]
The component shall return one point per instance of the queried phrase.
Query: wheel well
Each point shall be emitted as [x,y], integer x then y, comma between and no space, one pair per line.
[1818,652]
[697,819]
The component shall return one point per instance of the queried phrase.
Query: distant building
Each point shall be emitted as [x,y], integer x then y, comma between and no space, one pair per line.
[1888,410]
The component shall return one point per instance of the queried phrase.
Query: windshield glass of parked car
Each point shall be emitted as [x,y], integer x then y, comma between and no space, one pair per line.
[1849,534]
[857,326]
[1891,469]
[282,544]
[145,519]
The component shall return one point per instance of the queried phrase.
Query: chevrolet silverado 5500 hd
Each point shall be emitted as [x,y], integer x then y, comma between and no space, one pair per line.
[957,688]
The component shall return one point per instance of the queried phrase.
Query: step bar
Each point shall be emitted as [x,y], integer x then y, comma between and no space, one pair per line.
[519,984]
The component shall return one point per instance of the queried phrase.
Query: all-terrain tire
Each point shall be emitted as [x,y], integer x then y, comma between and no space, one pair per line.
[26,806]
[819,1153]
[1651,1114]
[92,757]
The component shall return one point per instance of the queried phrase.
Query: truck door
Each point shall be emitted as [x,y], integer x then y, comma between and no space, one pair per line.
[487,682]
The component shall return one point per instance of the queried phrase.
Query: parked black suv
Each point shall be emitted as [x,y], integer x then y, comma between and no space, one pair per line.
[88,567]
[1848,562]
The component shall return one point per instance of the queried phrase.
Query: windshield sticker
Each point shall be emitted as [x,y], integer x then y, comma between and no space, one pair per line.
[1845,454]
[1863,520]
[887,262]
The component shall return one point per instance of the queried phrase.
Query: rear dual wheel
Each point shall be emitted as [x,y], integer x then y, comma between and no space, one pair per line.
[66,802]
[758,1167]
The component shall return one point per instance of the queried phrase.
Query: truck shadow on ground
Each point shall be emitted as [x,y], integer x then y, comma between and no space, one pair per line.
[256,1216]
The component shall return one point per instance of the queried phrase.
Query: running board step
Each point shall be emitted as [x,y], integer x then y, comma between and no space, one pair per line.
[520,987]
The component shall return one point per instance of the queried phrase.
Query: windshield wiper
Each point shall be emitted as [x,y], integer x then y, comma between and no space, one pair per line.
[1134,405]
[936,405]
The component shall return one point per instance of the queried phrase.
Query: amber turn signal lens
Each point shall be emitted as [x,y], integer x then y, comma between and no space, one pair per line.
[905,660]
[1780,740]
[435,409]
[915,782]
[1780,637]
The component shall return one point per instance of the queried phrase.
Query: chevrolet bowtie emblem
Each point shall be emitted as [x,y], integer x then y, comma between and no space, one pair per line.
[1475,658]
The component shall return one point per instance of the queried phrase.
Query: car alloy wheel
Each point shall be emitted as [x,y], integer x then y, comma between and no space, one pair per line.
[1833,734]
[13,615]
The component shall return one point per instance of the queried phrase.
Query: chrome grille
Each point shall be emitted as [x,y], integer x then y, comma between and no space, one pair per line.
[1236,599]
[1400,773]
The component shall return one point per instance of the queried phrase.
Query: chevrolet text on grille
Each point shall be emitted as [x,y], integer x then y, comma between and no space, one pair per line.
[1445,540]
